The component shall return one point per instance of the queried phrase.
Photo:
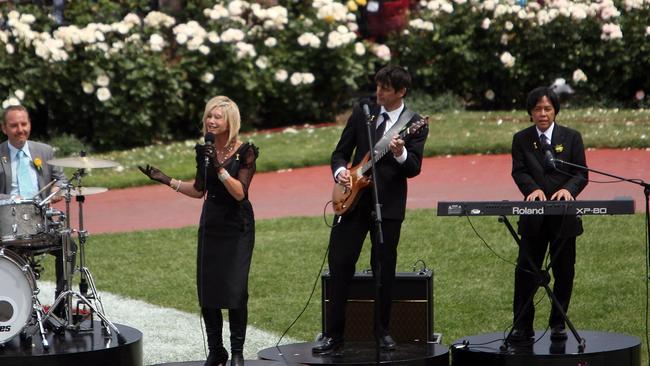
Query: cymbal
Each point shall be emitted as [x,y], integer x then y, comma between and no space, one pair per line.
[82,162]
[84,191]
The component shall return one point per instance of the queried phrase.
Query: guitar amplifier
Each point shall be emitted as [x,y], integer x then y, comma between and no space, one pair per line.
[411,317]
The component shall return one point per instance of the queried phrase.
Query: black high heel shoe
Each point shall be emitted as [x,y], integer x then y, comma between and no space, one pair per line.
[217,357]
[237,359]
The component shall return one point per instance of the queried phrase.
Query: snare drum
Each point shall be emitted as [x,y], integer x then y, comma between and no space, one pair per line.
[16,294]
[23,226]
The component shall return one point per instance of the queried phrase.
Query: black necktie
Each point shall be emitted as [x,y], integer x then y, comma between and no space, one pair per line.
[544,141]
[382,126]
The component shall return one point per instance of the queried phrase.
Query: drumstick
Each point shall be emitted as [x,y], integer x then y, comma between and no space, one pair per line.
[45,201]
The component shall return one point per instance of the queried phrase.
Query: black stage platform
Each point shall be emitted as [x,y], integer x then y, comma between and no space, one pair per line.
[247,362]
[76,348]
[360,353]
[601,349]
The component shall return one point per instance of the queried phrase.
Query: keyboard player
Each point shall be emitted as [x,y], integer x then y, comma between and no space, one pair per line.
[538,178]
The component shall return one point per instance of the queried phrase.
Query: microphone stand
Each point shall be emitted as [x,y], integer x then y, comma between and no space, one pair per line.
[380,234]
[639,182]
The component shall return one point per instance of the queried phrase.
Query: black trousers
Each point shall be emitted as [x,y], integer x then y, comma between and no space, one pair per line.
[346,242]
[563,257]
[237,319]
[59,271]
[59,267]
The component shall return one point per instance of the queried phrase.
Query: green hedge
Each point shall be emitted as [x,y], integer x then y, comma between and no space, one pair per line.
[120,75]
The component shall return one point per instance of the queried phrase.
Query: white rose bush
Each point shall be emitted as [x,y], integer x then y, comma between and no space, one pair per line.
[121,75]
[509,47]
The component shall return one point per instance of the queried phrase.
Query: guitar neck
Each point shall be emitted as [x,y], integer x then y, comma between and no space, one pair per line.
[380,154]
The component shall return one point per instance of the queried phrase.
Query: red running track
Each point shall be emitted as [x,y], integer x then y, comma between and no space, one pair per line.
[305,191]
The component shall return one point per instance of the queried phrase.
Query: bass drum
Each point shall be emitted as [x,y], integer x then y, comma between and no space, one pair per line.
[17,286]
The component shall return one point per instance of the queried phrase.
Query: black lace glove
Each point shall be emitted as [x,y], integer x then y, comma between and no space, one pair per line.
[206,151]
[155,174]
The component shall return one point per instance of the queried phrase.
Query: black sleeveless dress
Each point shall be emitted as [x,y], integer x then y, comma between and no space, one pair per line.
[226,234]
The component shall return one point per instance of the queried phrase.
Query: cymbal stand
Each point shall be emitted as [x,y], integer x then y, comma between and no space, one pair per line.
[86,278]
[68,293]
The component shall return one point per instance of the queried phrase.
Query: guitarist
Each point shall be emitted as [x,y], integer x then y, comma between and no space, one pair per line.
[346,239]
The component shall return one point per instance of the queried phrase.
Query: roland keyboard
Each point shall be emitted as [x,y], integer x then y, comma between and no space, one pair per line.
[512,208]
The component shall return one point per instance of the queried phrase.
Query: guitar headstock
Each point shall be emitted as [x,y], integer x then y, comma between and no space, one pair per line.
[418,125]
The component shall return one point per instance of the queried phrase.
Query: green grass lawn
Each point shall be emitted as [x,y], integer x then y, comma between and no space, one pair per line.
[451,133]
[473,288]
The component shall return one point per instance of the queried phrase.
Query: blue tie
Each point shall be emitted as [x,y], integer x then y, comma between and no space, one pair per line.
[26,186]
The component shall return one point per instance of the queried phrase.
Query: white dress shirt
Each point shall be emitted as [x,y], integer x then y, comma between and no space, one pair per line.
[393,116]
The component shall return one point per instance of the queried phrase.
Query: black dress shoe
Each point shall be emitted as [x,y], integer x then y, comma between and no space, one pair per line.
[237,359]
[328,344]
[521,335]
[558,333]
[386,342]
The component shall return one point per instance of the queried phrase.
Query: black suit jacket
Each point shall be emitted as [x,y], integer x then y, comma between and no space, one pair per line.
[529,173]
[392,186]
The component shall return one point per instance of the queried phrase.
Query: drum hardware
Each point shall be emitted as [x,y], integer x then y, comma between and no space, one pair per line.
[18,300]
[83,297]
[68,295]
[28,228]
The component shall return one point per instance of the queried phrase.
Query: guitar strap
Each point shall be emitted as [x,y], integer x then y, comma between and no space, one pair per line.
[403,119]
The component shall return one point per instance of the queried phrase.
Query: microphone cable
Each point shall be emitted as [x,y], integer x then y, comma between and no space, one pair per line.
[337,218]
[200,269]
[311,295]
[514,265]
[489,247]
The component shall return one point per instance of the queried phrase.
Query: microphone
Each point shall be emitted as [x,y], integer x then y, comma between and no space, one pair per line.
[209,141]
[549,159]
[366,109]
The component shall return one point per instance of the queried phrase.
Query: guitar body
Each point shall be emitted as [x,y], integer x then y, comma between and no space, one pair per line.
[344,199]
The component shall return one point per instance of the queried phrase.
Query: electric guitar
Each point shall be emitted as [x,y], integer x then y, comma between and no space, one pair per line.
[343,198]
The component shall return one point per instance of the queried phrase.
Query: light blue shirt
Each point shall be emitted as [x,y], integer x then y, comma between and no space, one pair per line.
[13,156]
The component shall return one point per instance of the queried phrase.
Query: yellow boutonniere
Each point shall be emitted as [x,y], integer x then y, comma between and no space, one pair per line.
[559,148]
[38,164]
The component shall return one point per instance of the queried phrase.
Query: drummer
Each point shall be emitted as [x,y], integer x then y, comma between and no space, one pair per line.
[24,181]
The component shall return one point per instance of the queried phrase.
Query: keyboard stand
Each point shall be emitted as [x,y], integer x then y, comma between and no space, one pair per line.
[543,278]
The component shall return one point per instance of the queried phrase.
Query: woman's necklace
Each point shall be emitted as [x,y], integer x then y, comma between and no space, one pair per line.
[223,154]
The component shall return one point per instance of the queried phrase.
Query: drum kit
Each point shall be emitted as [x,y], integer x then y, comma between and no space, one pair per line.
[30,228]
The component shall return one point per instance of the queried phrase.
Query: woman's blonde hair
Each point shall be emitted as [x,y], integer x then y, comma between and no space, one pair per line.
[230,114]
